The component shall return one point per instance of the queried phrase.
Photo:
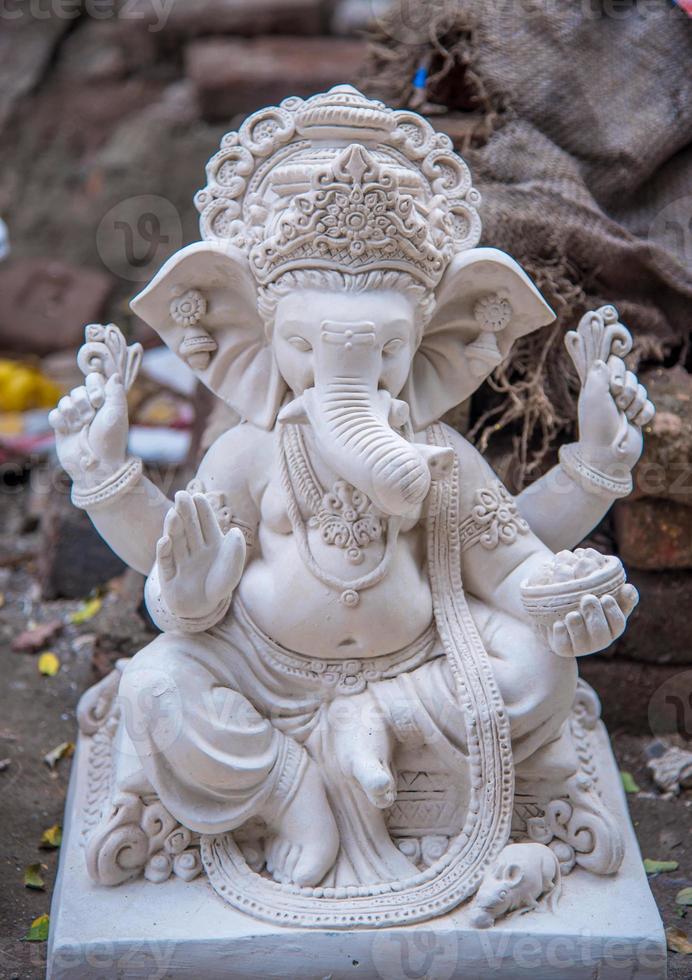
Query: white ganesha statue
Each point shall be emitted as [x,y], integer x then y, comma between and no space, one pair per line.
[363,705]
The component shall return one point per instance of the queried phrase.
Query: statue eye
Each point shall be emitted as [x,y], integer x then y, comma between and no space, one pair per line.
[503,893]
[392,346]
[300,343]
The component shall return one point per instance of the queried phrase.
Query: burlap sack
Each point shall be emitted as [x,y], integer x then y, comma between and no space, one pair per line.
[584,160]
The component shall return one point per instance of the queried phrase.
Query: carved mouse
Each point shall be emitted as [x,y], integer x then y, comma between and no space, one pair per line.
[522,874]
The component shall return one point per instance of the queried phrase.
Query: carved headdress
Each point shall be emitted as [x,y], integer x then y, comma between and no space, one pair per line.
[340,182]
[344,183]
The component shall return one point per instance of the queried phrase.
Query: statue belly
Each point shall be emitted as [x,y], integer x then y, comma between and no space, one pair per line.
[380,623]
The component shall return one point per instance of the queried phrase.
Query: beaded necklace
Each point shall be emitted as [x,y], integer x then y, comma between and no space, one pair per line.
[296,469]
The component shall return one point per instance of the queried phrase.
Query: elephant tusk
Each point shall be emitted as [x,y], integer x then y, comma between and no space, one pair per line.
[399,413]
[294,412]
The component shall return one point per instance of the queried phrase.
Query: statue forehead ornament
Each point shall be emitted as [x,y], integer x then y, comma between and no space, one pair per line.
[340,182]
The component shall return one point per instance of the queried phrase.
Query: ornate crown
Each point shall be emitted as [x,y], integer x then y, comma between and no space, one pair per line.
[341,182]
[354,218]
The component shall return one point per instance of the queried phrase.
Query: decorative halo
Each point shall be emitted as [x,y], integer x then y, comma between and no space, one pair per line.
[282,153]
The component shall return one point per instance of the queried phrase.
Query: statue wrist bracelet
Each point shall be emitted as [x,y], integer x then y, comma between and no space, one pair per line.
[113,486]
[169,622]
[589,478]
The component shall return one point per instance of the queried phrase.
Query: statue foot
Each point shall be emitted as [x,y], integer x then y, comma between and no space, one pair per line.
[364,748]
[306,839]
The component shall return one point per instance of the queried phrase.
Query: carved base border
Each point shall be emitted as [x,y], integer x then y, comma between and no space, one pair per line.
[183,929]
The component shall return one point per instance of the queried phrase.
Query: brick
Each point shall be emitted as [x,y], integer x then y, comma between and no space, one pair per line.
[658,630]
[73,559]
[665,469]
[461,127]
[353,16]
[108,50]
[46,303]
[653,534]
[626,689]
[27,44]
[233,76]
[248,17]
[87,116]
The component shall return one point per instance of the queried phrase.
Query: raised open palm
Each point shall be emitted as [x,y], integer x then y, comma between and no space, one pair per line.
[198,565]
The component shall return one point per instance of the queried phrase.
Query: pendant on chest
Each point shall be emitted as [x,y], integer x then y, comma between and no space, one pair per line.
[344,516]
[346,520]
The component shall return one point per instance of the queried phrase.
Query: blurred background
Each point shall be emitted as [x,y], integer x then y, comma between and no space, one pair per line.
[576,122]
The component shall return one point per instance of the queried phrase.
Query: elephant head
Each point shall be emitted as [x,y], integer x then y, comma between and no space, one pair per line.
[365,360]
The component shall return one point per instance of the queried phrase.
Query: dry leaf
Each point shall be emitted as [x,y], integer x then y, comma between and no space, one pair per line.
[48,664]
[677,941]
[65,749]
[38,930]
[628,782]
[2,599]
[684,896]
[51,837]
[32,877]
[33,639]
[654,867]
[86,611]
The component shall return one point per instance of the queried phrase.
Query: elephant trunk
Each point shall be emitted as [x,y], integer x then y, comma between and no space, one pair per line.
[351,422]
[368,450]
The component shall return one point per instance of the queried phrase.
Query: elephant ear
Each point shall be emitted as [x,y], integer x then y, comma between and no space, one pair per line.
[203,305]
[484,302]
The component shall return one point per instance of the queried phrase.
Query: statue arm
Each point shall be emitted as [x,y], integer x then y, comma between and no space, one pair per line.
[132,523]
[500,552]
[496,542]
[560,511]
[564,505]
[91,432]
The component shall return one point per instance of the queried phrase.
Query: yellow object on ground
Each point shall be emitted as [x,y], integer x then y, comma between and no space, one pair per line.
[48,664]
[23,387]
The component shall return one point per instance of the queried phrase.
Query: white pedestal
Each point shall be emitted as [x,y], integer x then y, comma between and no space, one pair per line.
[604,927]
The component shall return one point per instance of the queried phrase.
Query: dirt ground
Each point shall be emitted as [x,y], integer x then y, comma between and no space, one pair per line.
[38,713]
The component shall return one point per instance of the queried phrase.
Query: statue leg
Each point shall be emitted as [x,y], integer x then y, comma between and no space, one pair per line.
[536,685]
[215,761]
[212,758]
[539,690]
